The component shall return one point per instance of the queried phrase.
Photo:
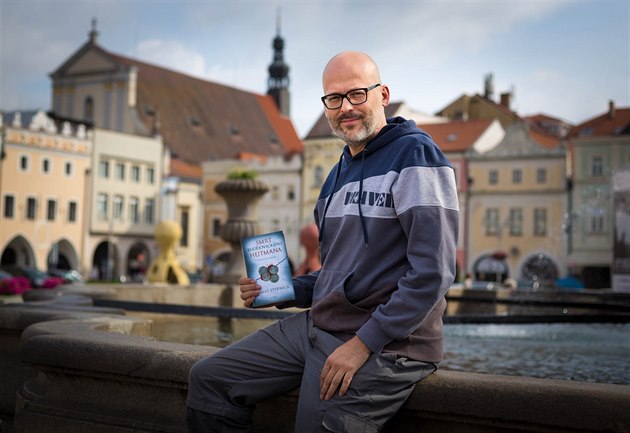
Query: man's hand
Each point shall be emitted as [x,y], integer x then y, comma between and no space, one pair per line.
[249,290]
[340,367]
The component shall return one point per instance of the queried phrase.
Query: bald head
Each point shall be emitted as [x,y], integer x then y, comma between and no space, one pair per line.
[350,65]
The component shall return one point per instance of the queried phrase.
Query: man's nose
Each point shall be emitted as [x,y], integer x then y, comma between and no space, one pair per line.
[346,105]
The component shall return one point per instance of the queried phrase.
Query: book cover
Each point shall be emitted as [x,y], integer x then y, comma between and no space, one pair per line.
[267,262]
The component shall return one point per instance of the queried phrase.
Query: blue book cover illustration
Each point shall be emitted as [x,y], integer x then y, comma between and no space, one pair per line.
[267,261]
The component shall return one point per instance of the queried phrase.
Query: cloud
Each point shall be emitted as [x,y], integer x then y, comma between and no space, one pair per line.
[172,55]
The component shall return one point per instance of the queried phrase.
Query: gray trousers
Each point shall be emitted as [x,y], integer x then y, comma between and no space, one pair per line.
[224,388]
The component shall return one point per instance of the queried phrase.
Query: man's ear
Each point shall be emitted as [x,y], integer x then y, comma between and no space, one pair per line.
[385,94]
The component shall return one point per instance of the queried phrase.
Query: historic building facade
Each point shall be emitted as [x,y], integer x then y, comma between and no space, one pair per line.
[125,183]
[602,148]
[192,120]
[518,197]
[44,190]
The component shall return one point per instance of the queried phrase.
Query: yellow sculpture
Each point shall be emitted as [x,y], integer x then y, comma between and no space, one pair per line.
[165,268]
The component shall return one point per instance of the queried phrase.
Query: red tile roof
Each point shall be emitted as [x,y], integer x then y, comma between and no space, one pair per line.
[614,122]
[182,169]
[456,136]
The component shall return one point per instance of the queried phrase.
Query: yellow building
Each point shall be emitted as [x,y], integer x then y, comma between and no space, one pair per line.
[518,198]
[43,187]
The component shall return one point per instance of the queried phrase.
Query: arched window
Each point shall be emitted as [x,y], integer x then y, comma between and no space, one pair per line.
[88,109]
[491,267]
[540,268]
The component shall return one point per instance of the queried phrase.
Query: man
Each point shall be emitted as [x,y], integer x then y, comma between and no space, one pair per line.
[387,218]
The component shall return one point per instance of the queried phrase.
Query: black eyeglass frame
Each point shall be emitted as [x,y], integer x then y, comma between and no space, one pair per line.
[345,95]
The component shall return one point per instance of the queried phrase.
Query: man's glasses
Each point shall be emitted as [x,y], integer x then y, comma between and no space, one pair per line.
[354,96]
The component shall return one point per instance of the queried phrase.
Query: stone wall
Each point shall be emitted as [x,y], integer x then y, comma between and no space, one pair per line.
[75,369]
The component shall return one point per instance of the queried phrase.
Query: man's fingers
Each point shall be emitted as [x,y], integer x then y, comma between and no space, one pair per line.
[330,384]
[345,384]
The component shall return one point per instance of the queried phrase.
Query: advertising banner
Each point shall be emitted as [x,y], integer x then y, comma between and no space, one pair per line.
[621,232]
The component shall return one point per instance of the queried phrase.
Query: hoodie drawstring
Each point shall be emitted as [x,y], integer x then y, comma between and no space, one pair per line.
[321,229]
[363,227]
[360,198]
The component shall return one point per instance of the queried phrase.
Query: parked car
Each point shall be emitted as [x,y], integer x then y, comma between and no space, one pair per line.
[37,278]
[68,276]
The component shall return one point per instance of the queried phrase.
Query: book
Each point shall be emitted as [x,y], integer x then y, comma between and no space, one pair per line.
[267,262]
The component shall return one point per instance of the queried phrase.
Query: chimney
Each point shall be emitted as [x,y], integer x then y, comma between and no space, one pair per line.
[611,109]
[505,99]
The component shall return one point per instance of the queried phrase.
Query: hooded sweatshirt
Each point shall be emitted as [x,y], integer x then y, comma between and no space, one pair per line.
[388,223]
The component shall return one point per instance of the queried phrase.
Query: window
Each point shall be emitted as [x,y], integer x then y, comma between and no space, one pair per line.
[540,222]
[596,220]
[597,166]
[148,211]
[120,171]
[517,175]
[491,222]
[72,211]
[318,177]
[45,165]
[133,210]
[101,206]
[275,193]
[88,109]
[493,177]
[184,222]
[150,175]
[23,163]
[119,202]
[516,222]
[31,208]
[51,209]
[68,168]
[541,175]
[216,227]
[135,173]
[291,193]
[9,206]
[103,169]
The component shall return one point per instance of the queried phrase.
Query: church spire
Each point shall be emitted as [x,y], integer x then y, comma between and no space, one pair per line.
[93,33]
[278,83]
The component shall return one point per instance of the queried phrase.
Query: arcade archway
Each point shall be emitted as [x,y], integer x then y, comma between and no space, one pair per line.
[62,255]
[492,267]
[18,252]
[105,262]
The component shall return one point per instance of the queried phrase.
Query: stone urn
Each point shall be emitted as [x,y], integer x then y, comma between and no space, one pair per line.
[242,197]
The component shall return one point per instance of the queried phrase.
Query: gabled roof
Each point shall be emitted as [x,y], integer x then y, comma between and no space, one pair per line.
[467,100]
[322,129]
[614,122]
[457,136]
[200,120]
[520,140]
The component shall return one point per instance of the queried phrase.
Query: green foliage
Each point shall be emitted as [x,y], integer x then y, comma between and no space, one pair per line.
[242,174]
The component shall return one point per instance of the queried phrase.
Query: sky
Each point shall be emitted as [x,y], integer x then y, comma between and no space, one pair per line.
[566,59]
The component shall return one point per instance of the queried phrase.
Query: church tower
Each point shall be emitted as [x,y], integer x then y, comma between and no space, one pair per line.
[278,84]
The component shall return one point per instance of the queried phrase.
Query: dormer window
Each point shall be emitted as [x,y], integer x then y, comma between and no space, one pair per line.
[585,132]
[233,130]
[193,121]
[88,109]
